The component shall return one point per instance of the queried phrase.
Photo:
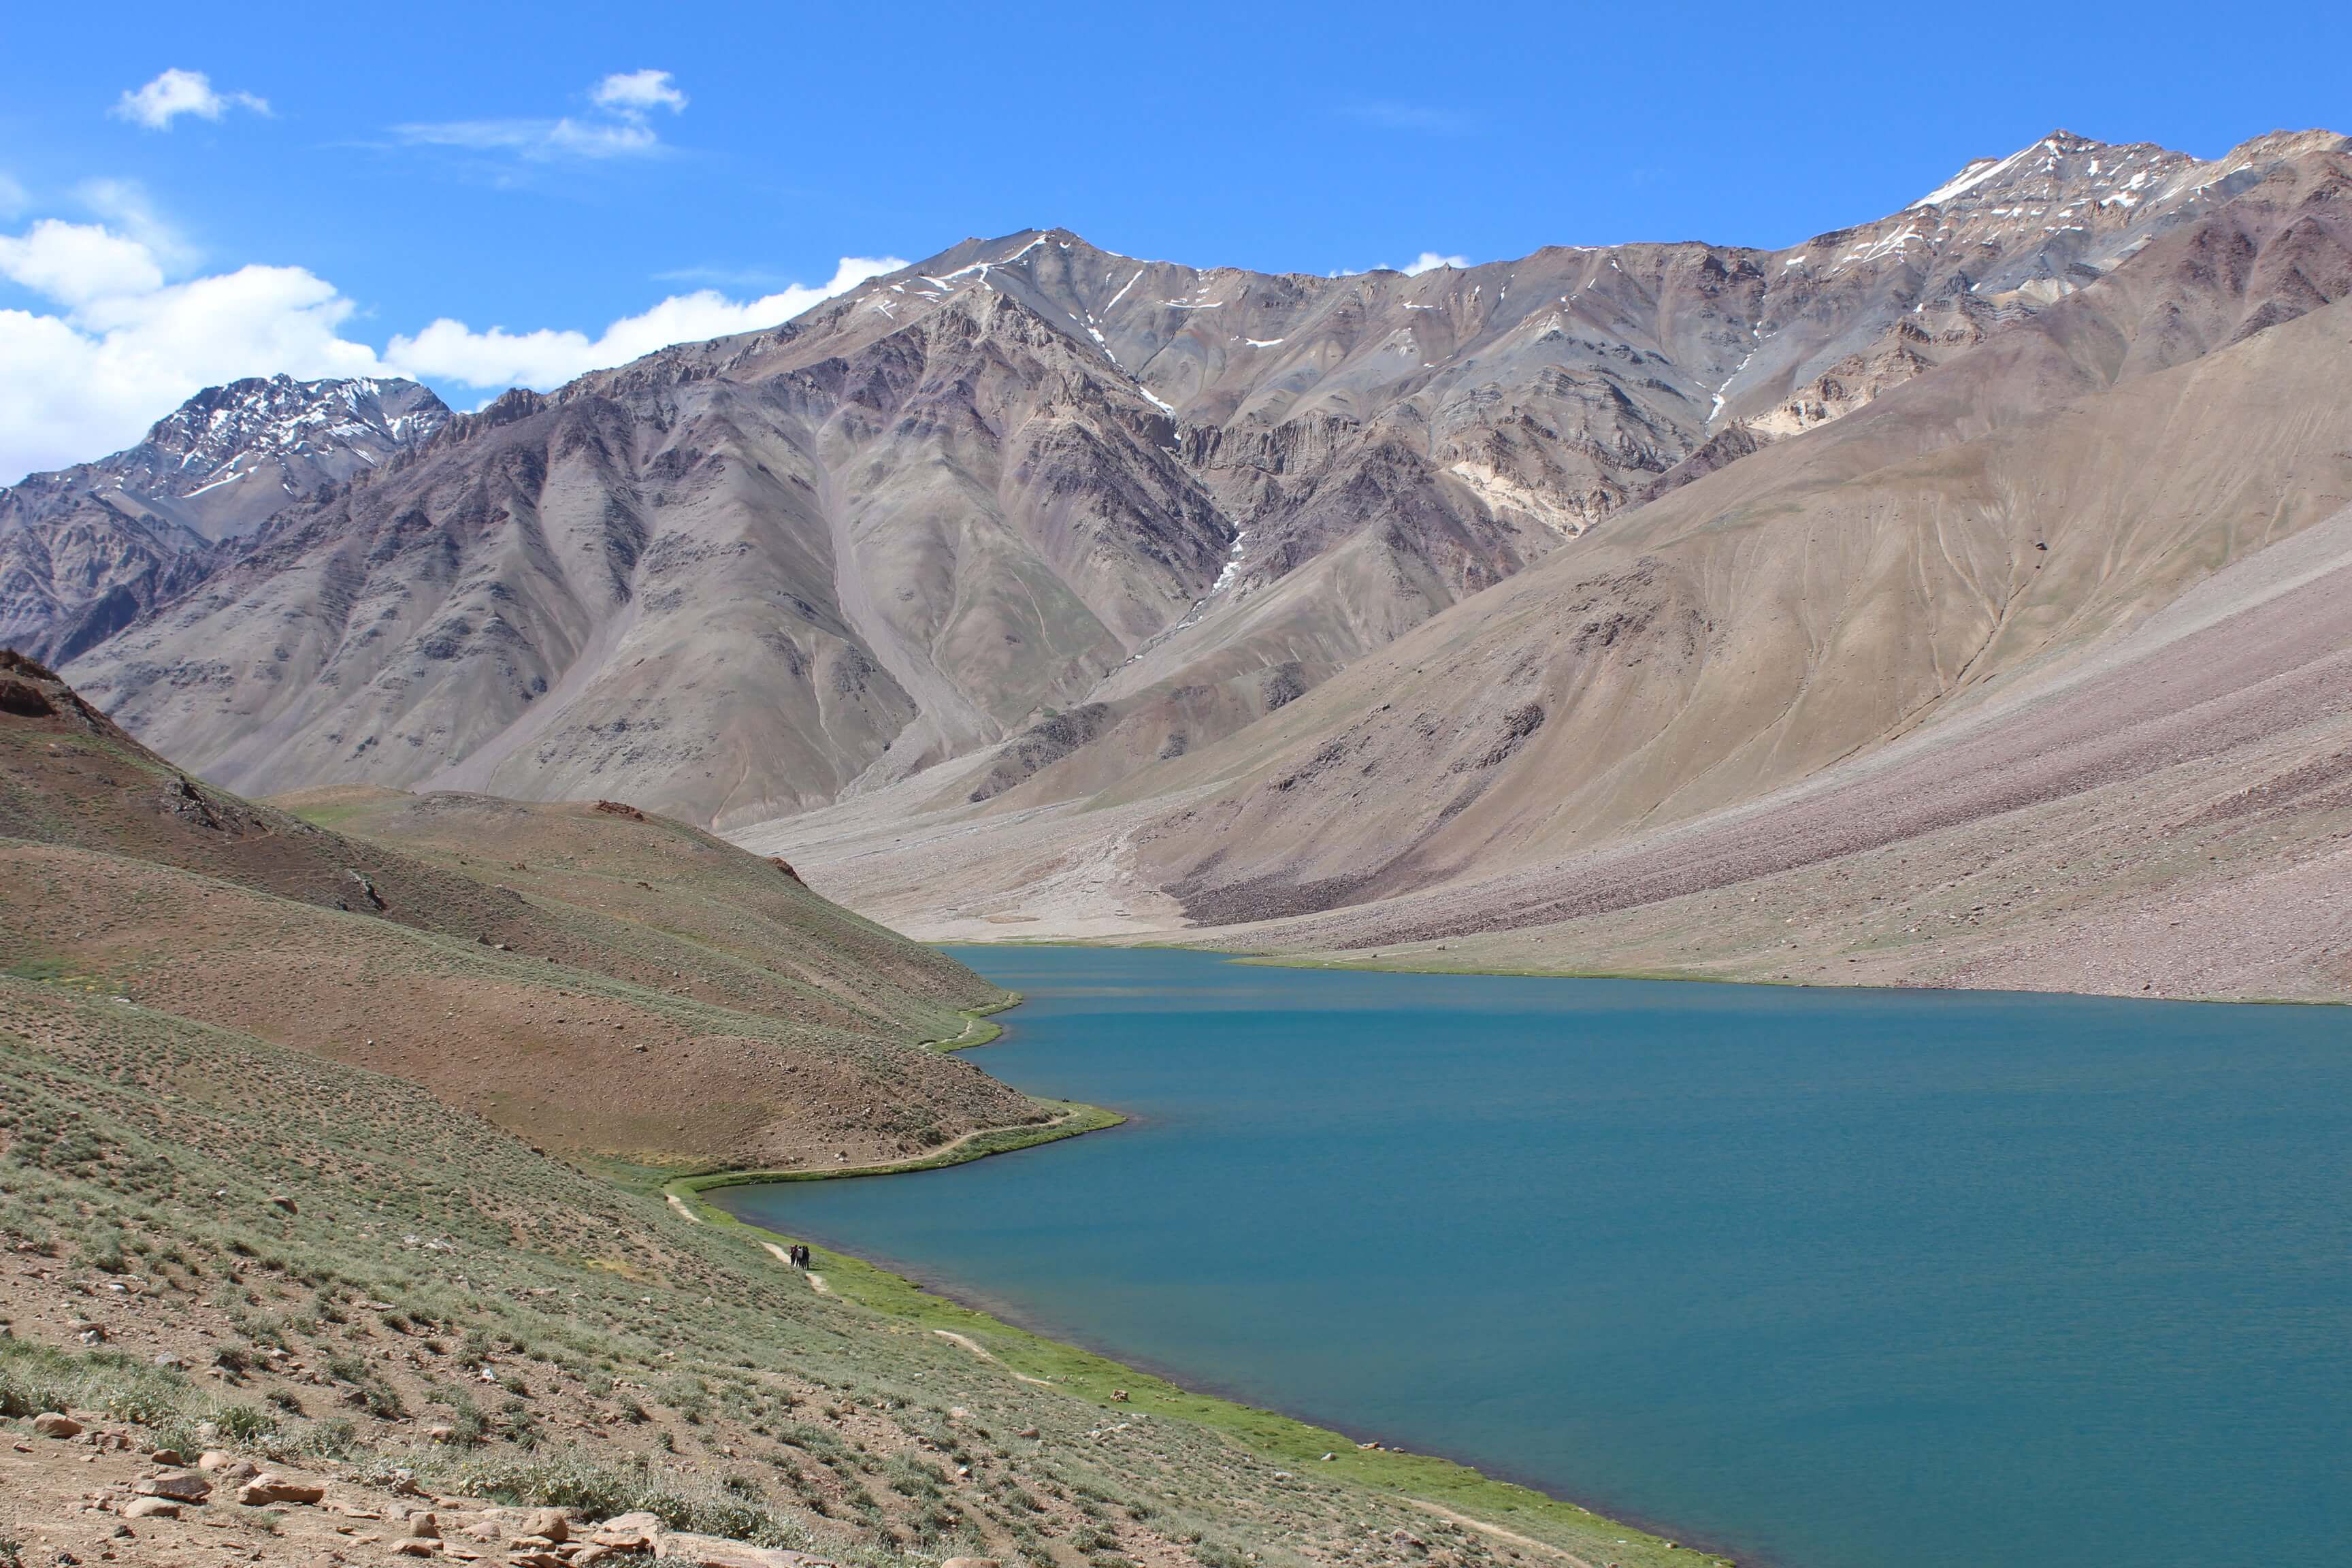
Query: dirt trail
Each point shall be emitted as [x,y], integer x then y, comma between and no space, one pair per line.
[679,1204]
[985,1353]
[1497,1531]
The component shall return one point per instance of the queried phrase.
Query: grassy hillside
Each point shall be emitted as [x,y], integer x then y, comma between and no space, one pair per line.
[596,980]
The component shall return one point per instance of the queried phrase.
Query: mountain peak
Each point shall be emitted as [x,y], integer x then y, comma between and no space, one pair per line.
[262,418]
[2059,167]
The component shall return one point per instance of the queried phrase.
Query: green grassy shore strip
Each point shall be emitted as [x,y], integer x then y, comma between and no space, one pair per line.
[1516,1511]
[977,1029]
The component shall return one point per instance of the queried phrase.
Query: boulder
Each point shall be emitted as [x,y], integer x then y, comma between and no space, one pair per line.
[268,1490]
[180,1485]
[25,700]
[550,1524]
[629,1531]
[55,1424]
[150,1508]
[712,1552]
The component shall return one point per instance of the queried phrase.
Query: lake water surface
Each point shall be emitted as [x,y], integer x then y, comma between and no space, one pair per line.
[1834,1279]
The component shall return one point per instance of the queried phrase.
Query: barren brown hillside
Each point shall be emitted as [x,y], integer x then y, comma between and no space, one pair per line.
[646,992]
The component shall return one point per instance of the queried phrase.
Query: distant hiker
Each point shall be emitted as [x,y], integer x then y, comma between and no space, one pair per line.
[800,1257]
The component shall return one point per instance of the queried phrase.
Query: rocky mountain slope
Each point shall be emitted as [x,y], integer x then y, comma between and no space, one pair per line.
[86,551]
[1549,752]
[1037,501]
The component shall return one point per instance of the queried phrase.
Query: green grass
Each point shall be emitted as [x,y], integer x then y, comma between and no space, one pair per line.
[977,1029]
[1070,1120]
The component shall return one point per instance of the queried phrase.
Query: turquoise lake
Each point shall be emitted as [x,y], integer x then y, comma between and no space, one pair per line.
[1822,1278]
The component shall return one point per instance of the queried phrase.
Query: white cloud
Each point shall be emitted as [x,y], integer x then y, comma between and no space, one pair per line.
[178,92]
[626,98]
[635,92]
[123,206]
[77,263]
[126,346]
[449,350]
[537,141]
[1430,261]
[122,343]
[12,198]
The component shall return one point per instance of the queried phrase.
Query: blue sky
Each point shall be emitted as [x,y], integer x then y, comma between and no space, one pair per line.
[361,172]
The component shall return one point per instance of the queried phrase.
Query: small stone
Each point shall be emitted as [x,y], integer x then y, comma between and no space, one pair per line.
[169,1458]
[550,1524]
[424,1527]
[281,1201]
[228,1467]
[438,1433]
[1027,1432]
[972,1563]
[55,1424]
[269,1489]
[150,1508]
[414,1548]
[629,1531]
[181,1486]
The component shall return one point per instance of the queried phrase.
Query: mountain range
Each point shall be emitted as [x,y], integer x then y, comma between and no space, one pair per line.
[1506,607]
[86,552]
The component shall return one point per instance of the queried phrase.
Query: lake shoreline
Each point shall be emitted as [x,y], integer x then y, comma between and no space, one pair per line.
[1453,1491]
[1325,962]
